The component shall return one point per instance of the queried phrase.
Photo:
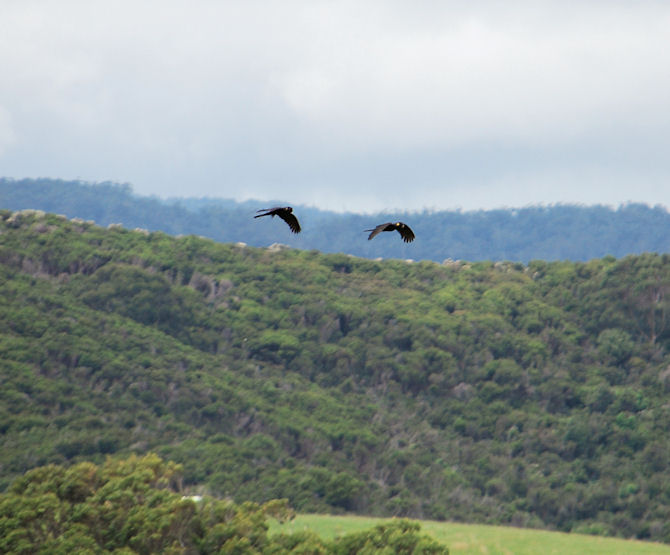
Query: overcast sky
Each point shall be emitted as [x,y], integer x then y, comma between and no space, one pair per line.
[345,105]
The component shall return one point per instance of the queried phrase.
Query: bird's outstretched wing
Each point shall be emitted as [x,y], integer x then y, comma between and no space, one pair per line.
[377,230]
[405,232]
[290,219]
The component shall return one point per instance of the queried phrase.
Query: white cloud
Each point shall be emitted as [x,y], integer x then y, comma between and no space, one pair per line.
[7,136]
[538,76]
[343,102]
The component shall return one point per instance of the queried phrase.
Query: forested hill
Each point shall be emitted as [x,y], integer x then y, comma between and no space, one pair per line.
[561,232]
[529,395]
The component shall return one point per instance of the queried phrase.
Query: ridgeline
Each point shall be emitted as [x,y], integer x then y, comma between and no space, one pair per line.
[558,232]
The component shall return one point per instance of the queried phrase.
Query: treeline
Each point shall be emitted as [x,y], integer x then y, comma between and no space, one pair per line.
[559,232]
[134,506]
[533,395]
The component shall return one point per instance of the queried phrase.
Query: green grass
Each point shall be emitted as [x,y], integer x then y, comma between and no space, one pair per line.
[490,540]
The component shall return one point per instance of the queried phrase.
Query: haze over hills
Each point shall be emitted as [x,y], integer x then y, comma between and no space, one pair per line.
[559,232]
[495,393]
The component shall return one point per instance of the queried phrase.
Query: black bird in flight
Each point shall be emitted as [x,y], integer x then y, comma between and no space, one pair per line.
[405,232]
[285,213]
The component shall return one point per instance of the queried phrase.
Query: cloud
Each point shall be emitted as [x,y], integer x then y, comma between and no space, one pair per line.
[7,136]
[488,76]
[343,103]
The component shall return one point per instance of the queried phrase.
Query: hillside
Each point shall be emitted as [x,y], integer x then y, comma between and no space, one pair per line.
[495,393]
[561,232]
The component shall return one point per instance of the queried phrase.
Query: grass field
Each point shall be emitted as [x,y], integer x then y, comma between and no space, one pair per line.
[476,539]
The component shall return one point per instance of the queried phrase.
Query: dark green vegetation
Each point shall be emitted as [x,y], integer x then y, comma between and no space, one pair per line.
[494,393]
[133,506]
[543,233]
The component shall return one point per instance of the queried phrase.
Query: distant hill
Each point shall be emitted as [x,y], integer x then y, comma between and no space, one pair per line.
[558,232]
[533,395]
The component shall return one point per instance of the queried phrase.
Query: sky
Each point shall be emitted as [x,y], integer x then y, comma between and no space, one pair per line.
[343,105]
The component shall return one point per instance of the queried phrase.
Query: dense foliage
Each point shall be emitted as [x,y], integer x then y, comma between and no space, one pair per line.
[498,393]
[133,506]
[561,232]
